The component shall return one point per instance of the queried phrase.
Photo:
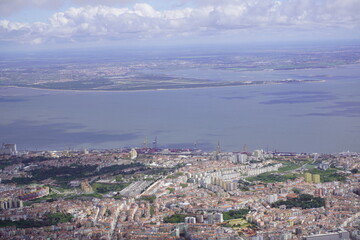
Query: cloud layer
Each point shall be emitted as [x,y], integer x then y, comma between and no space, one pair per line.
[142,21]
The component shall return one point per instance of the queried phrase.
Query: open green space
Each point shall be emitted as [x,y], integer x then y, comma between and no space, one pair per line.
[235,214]
[85,196]
[310,166]
[150,198]
[171,190]
[16,159]
[238,224]
[303,201]
[49,198]
[175,175]
[48,220]
[357,191]
[5,163]
[329,175]
[176,218]
[289,166]
[108,187]
[117,169]
[269,177]
[63,175]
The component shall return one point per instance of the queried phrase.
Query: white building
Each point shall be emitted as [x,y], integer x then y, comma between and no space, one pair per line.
[133,154]
[242,158]
[8,149]
[258,153]
[238,158]
[218,218]
[190,220]
[271,198]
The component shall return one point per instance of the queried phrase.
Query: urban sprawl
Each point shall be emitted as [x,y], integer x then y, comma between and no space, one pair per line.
[152,193]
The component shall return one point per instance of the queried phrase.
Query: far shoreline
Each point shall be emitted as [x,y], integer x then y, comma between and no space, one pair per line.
[163,89]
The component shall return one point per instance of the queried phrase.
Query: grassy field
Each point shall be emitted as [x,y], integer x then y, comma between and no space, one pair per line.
[329,175]
[238,223]
[235,214]
[108,187]
[289,166]
[269,177]
[310,166]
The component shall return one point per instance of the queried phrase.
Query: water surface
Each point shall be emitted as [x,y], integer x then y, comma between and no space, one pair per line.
[311,117]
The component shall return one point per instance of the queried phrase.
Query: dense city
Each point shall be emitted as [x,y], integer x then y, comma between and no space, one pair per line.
[153,193]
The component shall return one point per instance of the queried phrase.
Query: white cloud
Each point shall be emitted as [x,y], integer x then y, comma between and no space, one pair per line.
[143,21]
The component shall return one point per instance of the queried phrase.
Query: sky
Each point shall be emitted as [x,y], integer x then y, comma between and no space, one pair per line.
[100,22]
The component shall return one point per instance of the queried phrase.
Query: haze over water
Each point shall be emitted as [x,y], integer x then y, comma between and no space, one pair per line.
[300,117]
